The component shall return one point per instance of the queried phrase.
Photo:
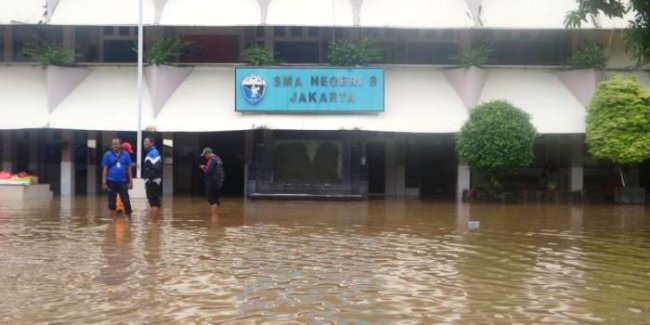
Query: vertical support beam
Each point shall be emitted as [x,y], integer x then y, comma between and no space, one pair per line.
[267,168]
[67,164]
[68,37]
[9,41]
[395,169]
[8,150]
[248,157]
[167,147]
[91,163]
[576,173]
[463,179]
[32,166]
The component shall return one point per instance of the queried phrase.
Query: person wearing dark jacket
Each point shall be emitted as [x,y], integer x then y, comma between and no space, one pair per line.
[152,173]
[214,176]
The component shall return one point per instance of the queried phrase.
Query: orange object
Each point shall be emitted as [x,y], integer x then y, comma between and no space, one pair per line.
[127,147]
[119,206]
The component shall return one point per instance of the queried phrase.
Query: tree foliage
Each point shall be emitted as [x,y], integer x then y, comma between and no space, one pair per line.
[498,136]
[618,121]
[638,32]
[351,53]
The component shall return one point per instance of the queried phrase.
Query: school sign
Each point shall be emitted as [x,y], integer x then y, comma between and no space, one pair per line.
[309,90]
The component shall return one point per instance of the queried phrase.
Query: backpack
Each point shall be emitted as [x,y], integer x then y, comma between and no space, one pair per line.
[218,175]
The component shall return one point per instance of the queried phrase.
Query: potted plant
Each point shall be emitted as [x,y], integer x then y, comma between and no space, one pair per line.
[354,53]
[468,80]
[618,129]
[58,61]
[496,138]
[163,78]
[257,56]
[587,63]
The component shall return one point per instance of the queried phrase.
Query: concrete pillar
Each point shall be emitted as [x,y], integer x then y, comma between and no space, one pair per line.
[463,211]
[167,152]
[8,150]
[32,166]
[395,169]
[463,179]
[634,176]
[94,158]
[248,156]
[67,164]
[576,173]
[8,44]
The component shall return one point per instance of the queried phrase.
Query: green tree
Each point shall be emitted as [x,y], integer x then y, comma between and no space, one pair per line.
[497,137]
[618,122]
[638,31]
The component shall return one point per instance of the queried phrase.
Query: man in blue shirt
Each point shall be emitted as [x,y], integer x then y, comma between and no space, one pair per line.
[152,173]
[116,176]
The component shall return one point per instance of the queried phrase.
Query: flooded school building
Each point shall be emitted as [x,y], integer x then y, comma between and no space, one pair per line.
[302,128]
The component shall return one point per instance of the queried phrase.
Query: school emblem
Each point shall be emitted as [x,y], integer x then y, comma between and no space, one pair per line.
[254,87]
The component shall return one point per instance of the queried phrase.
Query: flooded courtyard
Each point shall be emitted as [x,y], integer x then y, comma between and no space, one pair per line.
[379,261]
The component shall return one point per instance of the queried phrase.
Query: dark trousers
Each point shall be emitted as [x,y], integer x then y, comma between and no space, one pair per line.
[115,188]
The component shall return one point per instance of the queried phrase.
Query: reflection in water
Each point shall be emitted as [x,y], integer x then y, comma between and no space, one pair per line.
[386,261]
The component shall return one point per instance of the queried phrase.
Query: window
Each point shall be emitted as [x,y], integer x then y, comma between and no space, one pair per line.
[526,47]
[23,35]
[119,51]
[297,52]
[259,31]
[296,31]
[278,31]
[212,48]
[86,43]
[118,44]
[431,52]
[313,32]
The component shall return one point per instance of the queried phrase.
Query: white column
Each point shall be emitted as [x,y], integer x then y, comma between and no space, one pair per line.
[167,153]
[576,173]
[8,36]
[94,157]
[463,179]
[7,150]
[32,166]
[67,164]
[395,169]
[248,156]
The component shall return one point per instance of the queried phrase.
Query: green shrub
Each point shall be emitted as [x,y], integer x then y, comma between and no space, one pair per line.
[257,56]
[618,121]
[497,137]
[353,53]
[49,54]
[589,56]
[474,57]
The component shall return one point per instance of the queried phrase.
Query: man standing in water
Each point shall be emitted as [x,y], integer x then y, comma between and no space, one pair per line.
[116,177]
[152,172]
[214,177]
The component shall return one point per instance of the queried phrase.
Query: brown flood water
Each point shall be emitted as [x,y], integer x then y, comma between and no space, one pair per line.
[385,262]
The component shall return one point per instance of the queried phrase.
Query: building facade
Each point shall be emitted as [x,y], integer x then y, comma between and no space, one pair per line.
[57,121]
